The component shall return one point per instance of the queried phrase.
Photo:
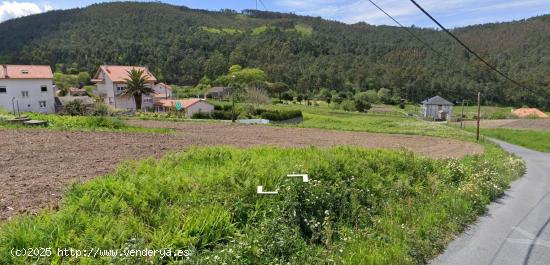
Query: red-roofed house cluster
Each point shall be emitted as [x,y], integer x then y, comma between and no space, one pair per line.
[31,88]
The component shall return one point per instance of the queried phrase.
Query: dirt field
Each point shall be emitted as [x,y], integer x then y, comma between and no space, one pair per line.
[37,165]
[519,124]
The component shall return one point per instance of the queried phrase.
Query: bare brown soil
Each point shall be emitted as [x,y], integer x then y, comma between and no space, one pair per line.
[518,124]
[37,165]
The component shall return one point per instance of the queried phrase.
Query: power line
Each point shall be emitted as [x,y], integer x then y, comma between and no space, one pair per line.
[467,48]
[262,3]
[407,30]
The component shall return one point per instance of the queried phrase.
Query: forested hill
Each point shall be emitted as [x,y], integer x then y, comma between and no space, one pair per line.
[181,45]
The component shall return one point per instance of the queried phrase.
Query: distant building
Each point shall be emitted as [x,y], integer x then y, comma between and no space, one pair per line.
[163,90]
[190,106]
[27,88]
[218,92]
[437,108]
[111,83]
[529,113]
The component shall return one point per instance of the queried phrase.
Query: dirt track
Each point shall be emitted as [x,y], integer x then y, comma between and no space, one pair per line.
[517,124]
[37,165]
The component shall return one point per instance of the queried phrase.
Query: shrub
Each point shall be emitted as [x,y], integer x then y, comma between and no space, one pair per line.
[384,95]
[75,107]
[223,107]
[201,115]
[348,105]
[101,109]
[287,96]
[223,115]
[276,115]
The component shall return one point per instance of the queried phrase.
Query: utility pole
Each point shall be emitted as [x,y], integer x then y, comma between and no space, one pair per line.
[478,113]
[233,94]
[462,116]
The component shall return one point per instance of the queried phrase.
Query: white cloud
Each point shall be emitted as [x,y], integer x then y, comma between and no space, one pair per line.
[13,9]
[352,11]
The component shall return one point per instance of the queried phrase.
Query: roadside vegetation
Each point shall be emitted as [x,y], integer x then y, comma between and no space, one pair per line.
[536,140]
[80,123]
[361,206]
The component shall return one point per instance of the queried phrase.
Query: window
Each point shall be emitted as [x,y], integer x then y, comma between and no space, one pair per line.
[120,88]
[3,90]
[44,88]
[25,94]
[42,104]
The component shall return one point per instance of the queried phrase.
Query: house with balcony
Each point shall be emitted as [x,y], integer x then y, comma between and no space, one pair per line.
[110,83]
[27,88]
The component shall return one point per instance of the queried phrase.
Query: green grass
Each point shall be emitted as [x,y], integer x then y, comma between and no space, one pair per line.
[325,117]
[536,140]
[230,31]
[361,207]
[304,30]
[85,123]
[487,112]
[259,30]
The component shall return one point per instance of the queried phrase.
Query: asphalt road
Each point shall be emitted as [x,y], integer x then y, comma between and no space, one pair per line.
[516,228]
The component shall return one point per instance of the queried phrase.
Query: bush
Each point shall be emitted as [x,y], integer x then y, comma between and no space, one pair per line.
[287,96]
[223,107]
[348,105]
[75,107]
[276,115]
[223,115]
[201,115]
[384,95]
[101,109]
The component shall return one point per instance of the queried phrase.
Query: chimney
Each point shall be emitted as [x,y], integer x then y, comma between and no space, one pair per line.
[5,67]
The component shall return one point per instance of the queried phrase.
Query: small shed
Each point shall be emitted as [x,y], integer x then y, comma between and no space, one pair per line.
[437,108]
[218,92]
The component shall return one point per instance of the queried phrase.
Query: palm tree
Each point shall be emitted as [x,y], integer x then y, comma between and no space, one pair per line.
[135,86]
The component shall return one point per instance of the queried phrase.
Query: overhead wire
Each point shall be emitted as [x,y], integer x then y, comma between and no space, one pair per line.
[492,67]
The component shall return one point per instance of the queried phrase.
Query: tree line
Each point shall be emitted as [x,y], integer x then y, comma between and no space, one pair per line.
[308,54]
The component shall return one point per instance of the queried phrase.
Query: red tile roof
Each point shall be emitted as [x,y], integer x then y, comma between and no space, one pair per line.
[530,112]
[186,103]
[119,73]
[26,72]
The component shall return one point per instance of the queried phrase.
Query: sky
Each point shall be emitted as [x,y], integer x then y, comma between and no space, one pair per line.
[451,13]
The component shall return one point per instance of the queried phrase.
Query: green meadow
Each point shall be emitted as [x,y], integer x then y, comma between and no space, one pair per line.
[536,140]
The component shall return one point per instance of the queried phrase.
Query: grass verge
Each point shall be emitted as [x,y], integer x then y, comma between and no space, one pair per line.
[360,207]
[85,123]
[536,140]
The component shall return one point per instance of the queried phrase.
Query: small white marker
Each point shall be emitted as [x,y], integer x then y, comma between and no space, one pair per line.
[304,177]
[260,190]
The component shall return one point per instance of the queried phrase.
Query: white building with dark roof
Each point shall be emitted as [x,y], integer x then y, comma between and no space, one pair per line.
[437,108]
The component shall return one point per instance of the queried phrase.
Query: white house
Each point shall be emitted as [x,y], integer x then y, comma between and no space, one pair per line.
[163,90]
[437,108]
[111,82]
[27,88]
